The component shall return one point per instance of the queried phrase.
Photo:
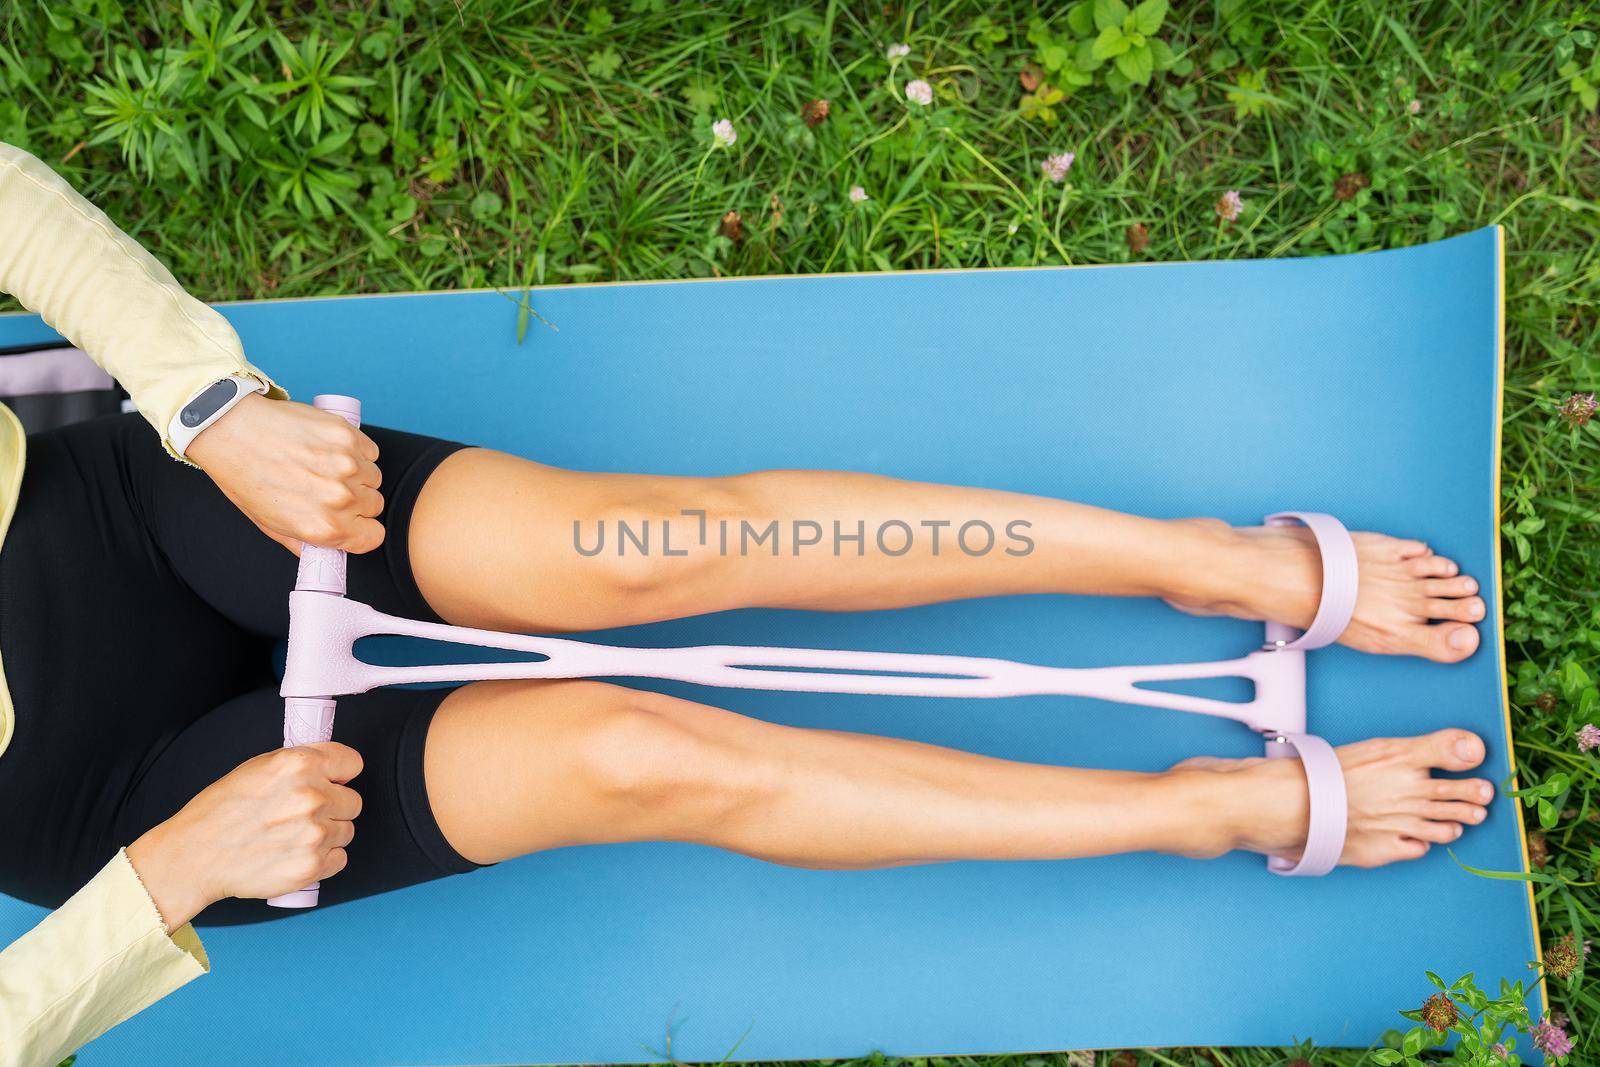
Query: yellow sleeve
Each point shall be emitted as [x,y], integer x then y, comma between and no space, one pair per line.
[63,258]
[100,958]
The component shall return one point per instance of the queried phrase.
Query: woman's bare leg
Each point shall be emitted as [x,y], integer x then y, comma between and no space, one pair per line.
[503,543]
[518,767]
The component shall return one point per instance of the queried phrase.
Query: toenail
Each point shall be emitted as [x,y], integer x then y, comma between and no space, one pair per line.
[1475,610]
[1467,748]
[1486,792]
[1461,639]
[1458,830]
[1477,816]
[1472,586]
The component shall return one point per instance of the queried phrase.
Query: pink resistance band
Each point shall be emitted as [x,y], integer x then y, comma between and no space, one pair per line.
[325,626]
[51,370]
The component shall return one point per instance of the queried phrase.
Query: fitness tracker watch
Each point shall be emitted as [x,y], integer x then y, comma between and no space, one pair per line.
[207,406]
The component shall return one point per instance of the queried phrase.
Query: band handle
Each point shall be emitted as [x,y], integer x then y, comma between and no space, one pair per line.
[1340,581]
[309,720]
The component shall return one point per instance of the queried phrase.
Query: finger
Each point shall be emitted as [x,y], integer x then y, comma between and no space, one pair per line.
[371,474]
[344,803]
[369,503]
[367,447]
[339,834]
[335,861]
[340,763]
[364,535]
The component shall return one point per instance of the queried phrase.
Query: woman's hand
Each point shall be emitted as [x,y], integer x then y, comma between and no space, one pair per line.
[300,474]
[275,824]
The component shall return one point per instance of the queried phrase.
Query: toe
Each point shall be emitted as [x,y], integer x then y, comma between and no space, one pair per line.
[1432,567]
[1407,549]
[1448,642]
[1440,833]
[1409,848]
[1450,750]
[1450,587]
[1451,811]
[1466,790]
[1392,848]
[1464,609]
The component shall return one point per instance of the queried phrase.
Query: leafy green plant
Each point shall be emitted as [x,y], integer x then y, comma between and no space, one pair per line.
[986,34]
[1249,95]
[219,46]
[1584,82]
[138,109]
[1485,1028]
[1127,37]
[1568,35]
[1547,798]
[1105,41]
[604,63]
[312,95]
[1040,104]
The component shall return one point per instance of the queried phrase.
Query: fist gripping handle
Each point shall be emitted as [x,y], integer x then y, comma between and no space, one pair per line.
[309,720]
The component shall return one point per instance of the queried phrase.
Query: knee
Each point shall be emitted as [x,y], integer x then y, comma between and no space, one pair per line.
[652,546]
[646,756]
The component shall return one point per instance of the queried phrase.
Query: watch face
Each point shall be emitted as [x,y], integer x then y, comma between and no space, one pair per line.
[208,403]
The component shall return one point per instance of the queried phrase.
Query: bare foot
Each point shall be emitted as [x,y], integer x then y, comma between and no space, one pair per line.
[1397,808]
[1410,601]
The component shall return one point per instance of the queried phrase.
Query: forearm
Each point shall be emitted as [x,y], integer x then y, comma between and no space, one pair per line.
[172,874]
[63,258]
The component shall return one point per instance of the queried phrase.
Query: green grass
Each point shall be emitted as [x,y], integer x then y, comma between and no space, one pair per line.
[319,147]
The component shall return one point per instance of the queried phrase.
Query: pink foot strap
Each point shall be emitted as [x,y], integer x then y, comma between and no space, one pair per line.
[1340,581]
[1329,806]
[1324,775]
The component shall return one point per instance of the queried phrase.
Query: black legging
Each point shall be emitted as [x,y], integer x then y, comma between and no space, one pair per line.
[138,613]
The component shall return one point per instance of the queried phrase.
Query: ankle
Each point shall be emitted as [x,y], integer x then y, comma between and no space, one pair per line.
[1257,805]
[1210,565]
[1273,809]
[1202,816]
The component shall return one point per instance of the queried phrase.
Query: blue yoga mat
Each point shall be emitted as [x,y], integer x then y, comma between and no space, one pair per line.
[1367,386]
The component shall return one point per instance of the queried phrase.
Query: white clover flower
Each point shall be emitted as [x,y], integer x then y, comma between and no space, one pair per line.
[1230,205]
[919,92]
[858,194]
[898,52]
[722,132]
[1055,167]
[1415,107]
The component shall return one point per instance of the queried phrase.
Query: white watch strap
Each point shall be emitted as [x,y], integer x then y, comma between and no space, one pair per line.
[181,436]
